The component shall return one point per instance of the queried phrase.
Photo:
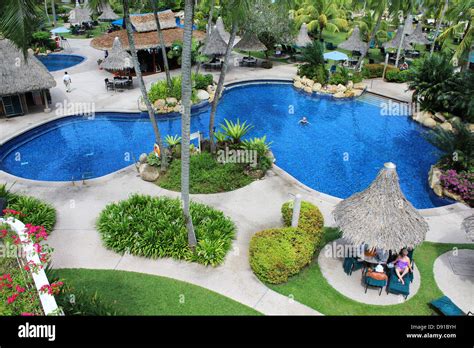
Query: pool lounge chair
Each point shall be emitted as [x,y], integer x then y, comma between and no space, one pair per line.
[397,287]
[351,264]
[447,307]
[373,282]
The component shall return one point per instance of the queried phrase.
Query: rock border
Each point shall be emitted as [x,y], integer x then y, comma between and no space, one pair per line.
[350,90]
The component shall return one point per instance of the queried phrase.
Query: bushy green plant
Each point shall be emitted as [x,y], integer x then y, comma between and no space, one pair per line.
[372,71]
[311,220]
[276,254]
[34,211]
[172,140]
[258,144]
[313,54]
[456,96]
[160,89]
[398,76]
[153,160]
[336,79]
[202,81]
[235,130]
[154,227]
[317,73]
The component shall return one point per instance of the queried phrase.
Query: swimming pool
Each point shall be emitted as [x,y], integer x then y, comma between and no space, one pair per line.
[338,153]
[55,62]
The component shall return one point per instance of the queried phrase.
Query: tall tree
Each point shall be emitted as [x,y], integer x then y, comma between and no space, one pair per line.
[209,20]
[438,25]
[141,83]
[186,91]
[161,40]
[46,11]
[53,11]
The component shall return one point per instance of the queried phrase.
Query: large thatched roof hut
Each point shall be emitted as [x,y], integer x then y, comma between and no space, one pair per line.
[215,45]
[118,59]
[107,13]
[354,42]
[303,38]
[396,41]
[418,37]
[79,15]
[250,42]
[381,216]
[23,83]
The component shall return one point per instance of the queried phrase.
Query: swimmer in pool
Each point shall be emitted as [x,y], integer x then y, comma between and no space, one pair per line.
[304,120]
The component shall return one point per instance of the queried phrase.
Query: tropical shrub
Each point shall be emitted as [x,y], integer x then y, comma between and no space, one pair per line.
[34,211]
[317,73]
[154,227]
[160,89]
[202,81]
[313,67]
[398,76]
[461,183]
[276,254]
[262,147]
[311,220]
[372,71]
[235,131]
[457,94]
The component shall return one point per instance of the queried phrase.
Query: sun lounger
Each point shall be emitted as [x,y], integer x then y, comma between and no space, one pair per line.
[447,307]
[397,287]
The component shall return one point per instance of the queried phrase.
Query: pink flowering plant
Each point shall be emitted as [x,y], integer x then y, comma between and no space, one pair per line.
[460,183]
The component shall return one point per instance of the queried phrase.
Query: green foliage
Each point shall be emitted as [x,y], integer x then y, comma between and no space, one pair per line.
[311,220]
[457,147]
[313,54]
[172,140]
[317,73]
[258,144]
[207,175]
[457,95]
[160,89]
[43,39]
[276,254]
[372,71]
[395,75]
[154,227]
[267,64]
[235,130]
[202,81]
[153,160]
[35,212]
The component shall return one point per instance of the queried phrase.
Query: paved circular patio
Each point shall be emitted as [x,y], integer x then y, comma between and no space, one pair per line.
[352,286]
[454,275]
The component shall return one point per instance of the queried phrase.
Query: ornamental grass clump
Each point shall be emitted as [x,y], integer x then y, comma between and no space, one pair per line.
[154,227]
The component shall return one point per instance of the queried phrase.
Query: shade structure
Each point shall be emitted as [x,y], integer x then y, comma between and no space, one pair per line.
[381,216]
[215,45]
[220,26]
[354,42]
[60,30]
[335,55]
[418,37]
[108,13]
[250,43]
[396,41]
[18,75]
[79,15]
[303,38]
[118,58]
[468,225]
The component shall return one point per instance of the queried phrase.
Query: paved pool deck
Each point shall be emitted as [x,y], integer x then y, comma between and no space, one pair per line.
[253,208]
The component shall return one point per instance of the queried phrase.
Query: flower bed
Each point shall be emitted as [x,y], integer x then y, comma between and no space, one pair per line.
[460,184]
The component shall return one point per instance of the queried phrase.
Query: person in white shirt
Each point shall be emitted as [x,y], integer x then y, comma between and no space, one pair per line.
[67,82]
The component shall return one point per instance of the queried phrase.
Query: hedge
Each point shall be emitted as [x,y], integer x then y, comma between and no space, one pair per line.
[279,253]
[395,75]
[372,71]
[311,220]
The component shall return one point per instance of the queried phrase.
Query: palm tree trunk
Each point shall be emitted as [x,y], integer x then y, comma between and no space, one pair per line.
[220,85]
[46,11]
[209,21]
[141,83]
[53,8]
[438,26]
[162,43]
[372,37]
[186,90]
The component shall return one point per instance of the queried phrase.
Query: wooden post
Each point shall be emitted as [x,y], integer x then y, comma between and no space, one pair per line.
[296,211]
[46,106]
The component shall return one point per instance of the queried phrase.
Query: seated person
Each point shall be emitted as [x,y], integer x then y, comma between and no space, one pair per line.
[377,274]
[402,265]
[304,120]
[403,66]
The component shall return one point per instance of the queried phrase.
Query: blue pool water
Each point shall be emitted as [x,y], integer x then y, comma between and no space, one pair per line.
[55,62]
[338,153]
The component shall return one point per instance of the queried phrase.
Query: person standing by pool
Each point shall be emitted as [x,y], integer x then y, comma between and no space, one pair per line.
[67,81]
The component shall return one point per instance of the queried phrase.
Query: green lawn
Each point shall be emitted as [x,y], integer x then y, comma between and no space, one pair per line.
[206,175]
[97,31]
[133,293]
[311,288]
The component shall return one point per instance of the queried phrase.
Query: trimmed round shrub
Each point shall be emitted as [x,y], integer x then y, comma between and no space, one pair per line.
[279,253]
[154,227]
[35,212]
[311,220]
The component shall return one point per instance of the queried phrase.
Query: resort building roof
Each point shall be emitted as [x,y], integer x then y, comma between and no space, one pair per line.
[146,22]
[108,13]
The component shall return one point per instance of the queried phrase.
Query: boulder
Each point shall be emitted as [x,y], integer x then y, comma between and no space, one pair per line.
[159,103]
[141,104]
[339,95]
[421,116]
[202,94]
[434,176]
[349,93]
[309,83]
[143,158]
[360,85]
[308,89]
[439,117]
[341,88]
[296,78]
[210,89]
[452,195]
[171,101]
[316,87]
[357,92]
[446,126]
[331,89]
[177,108]
[148,172]
[350,85]
[470,126]
[298,84]
[429,122]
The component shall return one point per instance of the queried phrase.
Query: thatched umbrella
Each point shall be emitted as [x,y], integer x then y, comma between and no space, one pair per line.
[396,41]
[354,42]
[417,37]
[79,15]
[381,216]
[468,225]
[215,45]
[250,43]
[220,26]
[118,59]
[108,13]
[303,38]
[18,75]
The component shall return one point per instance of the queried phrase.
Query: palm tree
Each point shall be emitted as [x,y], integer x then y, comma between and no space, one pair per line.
[46,11]
[237,10]
[141,83]
[209,20]
[53,11]
[18,19]
[186,91]
[438,25]
[162,42]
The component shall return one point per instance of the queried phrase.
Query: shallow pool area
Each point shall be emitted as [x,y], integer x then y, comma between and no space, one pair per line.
[55,62]
[338,153]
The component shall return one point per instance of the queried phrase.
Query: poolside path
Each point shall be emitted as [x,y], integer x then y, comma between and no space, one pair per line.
[253,208]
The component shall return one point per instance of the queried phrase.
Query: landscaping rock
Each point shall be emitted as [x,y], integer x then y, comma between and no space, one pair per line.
[296,78]
[360,85]
[308,89]
[452,195]
[447,126]
[159,103]
[202,94]
[350,85]
[257,174]
[470,126]
[149,173]
[429,122]
[434,181]
[143,158]
[309,83]
[357,92]
[298,84]
[171,101]
[211,88]
[141,104]
[316,87]
[439,117]
[341,88]
[454,119]
[339,95]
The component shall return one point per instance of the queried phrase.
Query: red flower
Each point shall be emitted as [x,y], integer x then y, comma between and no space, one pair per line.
[27,314]
[20,289]
[12,298]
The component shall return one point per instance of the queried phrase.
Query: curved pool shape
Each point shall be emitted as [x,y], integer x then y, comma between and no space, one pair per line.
[55,62]
[338,153]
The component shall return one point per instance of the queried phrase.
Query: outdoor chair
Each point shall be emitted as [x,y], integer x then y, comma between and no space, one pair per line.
[129,82]
[410,275]
[109,84]
[351,264]
[396,287]
[446,306]
[373,282]
[333,68]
